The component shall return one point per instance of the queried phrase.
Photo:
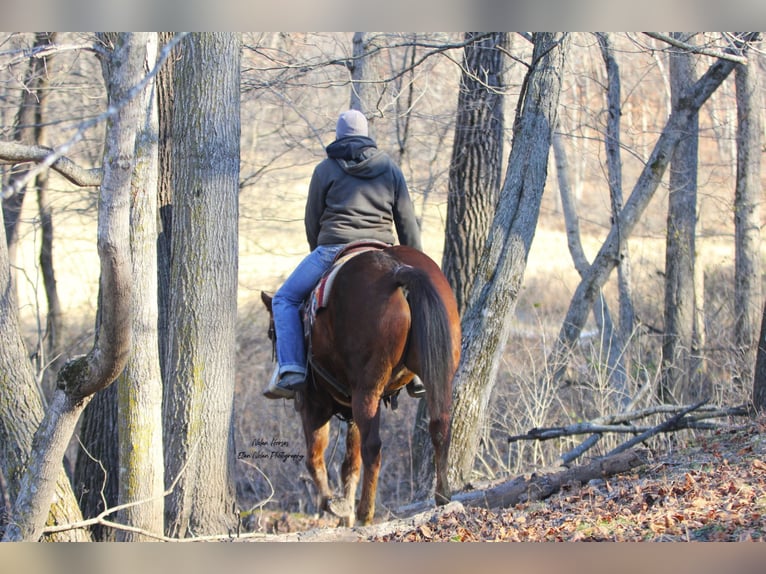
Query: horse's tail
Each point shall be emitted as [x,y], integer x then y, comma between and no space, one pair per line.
[430,334]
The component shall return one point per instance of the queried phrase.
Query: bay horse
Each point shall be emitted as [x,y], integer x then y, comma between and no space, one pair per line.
[390,315]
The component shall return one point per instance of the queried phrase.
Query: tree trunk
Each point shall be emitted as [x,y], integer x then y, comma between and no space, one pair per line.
[474,183]
[362,97]
[747,214]
[612,346]
[165,102]
[678,343]
[614,171]
[140,385]
[759,379]
[21,410]
[199,380]
[475,169]
[499,275]
[96,472]
[647,183]
[81,377]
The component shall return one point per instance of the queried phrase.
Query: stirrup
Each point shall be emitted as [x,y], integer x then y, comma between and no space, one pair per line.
[274,391]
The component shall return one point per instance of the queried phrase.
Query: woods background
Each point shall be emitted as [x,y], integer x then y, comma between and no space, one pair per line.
[291,88]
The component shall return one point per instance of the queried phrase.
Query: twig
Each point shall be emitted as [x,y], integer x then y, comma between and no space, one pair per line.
[101,518]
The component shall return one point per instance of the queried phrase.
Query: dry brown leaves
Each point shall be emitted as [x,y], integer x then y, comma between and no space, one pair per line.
[714,490]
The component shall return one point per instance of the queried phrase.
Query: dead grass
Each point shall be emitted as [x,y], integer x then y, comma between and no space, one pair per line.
[271,244]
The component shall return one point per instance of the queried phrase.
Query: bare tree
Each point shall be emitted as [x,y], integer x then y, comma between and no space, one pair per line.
[199,377]
[21,410]
[747,213]
[476,166]
[474,182]
[679,343]
[25,132]
[486,321]
[141,474]
[647,183]
[612,143]
[81,377]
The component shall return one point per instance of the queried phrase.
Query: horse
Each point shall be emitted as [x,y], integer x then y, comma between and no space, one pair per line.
[390,315]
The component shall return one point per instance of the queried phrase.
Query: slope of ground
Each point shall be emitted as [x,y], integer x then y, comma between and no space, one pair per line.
[711,490]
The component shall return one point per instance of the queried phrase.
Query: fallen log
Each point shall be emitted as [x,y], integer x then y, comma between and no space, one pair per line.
[540,487]
[507,494]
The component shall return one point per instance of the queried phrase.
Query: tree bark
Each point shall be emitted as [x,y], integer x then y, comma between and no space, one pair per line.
[165,103]
[21,410]
[81,377]
[499,275]
[199,378]
[678,345]
[96,471]
[747,213]
[140,385]
[475,169]
[474,183]
[759,378]
[614,171]
[362,96]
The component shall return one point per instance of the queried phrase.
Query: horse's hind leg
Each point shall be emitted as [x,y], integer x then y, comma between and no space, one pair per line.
[344,507]
[367,417]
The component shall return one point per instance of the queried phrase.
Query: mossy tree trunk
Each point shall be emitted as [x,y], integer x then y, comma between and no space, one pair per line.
[140,385]
[475,174]
[21,411]
[499,274]
[83,376]
[199,368]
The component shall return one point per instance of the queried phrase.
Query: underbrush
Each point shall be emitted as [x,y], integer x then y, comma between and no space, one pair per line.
[524,397]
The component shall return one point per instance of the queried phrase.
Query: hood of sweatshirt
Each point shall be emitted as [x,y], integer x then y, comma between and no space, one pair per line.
[358,156]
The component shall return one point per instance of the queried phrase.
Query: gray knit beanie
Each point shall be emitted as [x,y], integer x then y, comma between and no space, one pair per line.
[351,123]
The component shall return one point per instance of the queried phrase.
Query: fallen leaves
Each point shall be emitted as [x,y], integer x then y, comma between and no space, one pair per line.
[715,491]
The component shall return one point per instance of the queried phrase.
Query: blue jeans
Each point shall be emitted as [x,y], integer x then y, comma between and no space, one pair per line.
[291,349]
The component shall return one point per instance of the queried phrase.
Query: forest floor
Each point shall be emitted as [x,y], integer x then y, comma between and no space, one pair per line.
[713,489]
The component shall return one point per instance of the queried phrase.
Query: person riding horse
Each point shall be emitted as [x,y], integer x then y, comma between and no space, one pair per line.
[356,193]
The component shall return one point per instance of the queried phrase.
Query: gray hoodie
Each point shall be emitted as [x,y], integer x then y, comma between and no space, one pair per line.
[357,193]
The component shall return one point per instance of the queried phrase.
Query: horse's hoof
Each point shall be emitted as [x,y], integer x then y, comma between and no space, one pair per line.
[340,507]
[441,499]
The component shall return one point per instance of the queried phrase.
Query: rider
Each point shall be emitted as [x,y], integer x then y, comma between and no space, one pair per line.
[356,193]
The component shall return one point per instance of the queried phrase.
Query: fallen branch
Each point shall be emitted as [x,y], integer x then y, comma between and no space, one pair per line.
[511,493]
[669,425]
[616,423]
[541,487]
